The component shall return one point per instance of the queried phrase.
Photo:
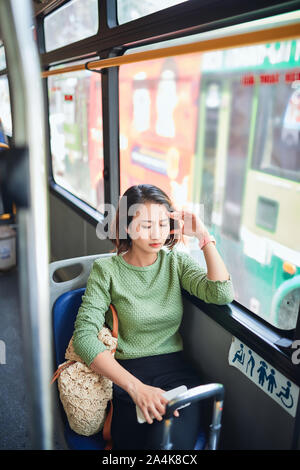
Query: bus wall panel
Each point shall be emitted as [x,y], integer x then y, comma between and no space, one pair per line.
[66,231]
[70,235]
[251,420]
[94,244]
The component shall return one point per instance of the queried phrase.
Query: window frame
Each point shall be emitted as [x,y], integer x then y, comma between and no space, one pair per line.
[113,40]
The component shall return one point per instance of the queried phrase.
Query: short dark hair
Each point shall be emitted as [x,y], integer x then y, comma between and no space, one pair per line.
[139,194]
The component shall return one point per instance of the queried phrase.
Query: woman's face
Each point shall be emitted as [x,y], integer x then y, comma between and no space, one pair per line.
[150,227]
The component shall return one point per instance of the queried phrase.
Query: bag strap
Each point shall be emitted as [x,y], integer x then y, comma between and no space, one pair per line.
[115,325]
[60,369]
[115,321]
[106,433]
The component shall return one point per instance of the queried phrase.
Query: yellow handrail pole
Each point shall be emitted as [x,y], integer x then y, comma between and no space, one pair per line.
[279,33]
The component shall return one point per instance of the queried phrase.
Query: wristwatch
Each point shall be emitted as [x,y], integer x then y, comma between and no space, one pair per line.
[207,239]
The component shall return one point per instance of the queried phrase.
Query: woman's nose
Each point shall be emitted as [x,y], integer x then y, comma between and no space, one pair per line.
[155,232]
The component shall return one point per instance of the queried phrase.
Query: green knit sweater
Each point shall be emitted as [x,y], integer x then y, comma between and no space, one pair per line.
[148,302]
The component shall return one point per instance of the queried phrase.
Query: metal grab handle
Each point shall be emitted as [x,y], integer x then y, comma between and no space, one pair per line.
[202,392]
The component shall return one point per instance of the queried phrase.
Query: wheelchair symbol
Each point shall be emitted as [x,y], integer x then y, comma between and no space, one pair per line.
[285,395]
[240,355]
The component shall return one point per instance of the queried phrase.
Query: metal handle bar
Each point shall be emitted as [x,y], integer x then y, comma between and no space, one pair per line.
[202,392]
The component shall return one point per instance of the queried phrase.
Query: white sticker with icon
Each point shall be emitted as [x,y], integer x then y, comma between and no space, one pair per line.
[264,375]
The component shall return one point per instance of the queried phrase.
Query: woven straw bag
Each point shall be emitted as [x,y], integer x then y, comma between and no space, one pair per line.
[84,393]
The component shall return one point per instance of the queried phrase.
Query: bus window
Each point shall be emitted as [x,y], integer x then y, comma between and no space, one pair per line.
[278,129]
[212,104]
[141,102]
[76,20]
[166,100]
[238,141]
[253,156]
[157,142]
[271,200]
[129,10]
[229,125]
[75,103]
[2,58]
[5,109]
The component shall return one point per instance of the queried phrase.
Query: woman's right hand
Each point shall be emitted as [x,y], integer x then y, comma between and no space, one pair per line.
[150,400]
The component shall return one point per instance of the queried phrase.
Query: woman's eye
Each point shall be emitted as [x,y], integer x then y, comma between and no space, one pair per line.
[149,226]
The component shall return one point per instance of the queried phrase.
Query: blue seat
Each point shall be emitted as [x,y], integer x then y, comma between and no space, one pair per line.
[64,314]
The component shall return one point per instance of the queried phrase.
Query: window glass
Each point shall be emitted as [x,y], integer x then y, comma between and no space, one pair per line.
[276,148]
[219,133]
[75,101]
[2,58]
[129,10]
[212,92]
[76,20]
[5,109]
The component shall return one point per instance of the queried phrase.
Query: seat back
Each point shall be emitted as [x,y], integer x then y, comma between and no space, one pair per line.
[85,263]
[65,299]
[64,314]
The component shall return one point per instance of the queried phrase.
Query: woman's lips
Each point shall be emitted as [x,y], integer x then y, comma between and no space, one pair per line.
[155,245]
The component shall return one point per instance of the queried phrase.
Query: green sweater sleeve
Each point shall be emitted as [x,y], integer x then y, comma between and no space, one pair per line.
[194,280]
[91,315]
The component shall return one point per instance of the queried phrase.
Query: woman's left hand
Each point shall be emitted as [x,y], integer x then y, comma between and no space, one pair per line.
[189,224]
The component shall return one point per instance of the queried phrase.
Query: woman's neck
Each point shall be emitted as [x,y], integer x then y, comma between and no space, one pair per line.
[138,258]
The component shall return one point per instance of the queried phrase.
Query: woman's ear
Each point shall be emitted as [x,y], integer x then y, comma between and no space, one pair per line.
[127,230]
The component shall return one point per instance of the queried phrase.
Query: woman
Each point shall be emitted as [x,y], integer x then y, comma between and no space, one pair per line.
[143,281]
